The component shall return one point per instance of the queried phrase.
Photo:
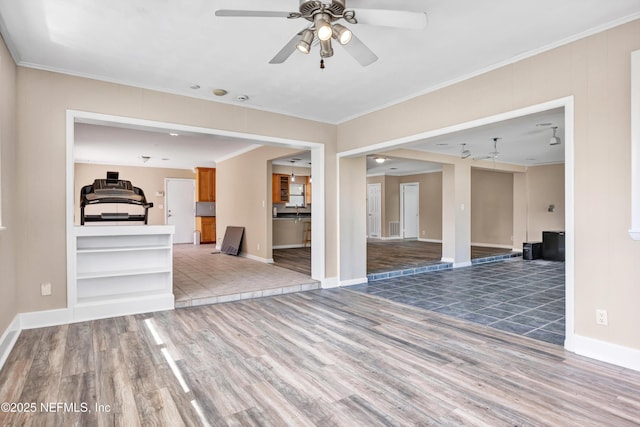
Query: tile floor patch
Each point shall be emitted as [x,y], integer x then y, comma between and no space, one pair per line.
[522,297]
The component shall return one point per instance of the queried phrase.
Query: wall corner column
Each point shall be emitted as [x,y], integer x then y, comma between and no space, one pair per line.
[456,214]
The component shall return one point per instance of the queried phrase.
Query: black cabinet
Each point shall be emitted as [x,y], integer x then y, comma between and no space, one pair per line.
[531,250]
[553,245]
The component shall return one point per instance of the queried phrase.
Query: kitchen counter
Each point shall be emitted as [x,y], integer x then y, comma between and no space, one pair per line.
[293,215]
[288,232]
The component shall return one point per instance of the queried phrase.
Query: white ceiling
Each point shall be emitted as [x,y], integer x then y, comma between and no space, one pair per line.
[124,145]
[171,45]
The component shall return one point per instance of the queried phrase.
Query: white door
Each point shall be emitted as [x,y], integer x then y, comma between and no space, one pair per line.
[181,208]
[374,203]
[409,199]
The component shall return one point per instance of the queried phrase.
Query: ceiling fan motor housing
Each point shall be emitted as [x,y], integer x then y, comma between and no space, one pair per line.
[308,8]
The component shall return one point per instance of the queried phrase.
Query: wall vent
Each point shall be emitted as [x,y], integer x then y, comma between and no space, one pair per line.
[394,228]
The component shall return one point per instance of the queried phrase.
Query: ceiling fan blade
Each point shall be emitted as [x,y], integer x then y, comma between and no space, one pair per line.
[252,13]
[360,51]
[392,18]
[286,51]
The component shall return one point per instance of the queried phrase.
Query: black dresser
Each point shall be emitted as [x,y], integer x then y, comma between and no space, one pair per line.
[553,245]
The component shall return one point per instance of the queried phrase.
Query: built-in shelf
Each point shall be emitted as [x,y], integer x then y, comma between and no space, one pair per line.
[125,249]
[121,270]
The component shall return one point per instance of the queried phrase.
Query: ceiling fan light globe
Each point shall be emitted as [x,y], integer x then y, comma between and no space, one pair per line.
[304,45]
[323,28]
[326,50]
[342,34]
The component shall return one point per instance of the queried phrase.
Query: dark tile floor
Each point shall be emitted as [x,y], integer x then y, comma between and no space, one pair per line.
[523,297]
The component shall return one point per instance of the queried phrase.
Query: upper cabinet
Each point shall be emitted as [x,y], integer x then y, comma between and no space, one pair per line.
[205,184]
[307,193]
[280,188]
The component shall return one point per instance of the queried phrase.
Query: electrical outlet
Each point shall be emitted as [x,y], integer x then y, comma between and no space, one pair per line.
[601,317]
[45,289]
[258,246]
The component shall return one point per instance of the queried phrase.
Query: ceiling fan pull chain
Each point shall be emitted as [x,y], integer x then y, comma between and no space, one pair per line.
[322,64]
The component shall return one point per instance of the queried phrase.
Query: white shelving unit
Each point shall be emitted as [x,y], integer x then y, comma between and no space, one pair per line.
[121,270]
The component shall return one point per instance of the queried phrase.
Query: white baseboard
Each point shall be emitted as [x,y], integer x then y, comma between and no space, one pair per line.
[461,264]
[296,245]
[605,352]
[491,245]
[430,240]
[330,282]
[114,308]
[357,281]
[41,319]
[256,258]
[8,339]
[94,311]
[443,259]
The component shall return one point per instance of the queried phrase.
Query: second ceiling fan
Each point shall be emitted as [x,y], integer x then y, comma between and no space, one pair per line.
[324,18]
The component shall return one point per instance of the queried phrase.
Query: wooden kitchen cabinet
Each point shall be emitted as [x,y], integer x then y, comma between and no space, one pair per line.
[206,225]
[280,188]
[205,184]
[307,191]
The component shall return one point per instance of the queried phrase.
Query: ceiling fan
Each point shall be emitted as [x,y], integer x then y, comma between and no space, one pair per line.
[464,152]
[324,18]
[492,155]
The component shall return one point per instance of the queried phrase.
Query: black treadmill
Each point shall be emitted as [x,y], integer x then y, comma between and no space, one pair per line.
[113,190]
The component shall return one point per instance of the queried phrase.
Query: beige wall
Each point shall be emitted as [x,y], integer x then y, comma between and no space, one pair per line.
[596,72]
[150,180]
[8,178]
[545,187]
[244,199]
[491,207]
[44,98]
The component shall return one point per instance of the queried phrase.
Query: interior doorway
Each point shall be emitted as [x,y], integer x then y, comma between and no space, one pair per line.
[180,208]
[409,210]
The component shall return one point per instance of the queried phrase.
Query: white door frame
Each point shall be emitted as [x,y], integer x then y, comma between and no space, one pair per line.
[568,104]
[402,212]
[319,237]
[379,207]
[166,200]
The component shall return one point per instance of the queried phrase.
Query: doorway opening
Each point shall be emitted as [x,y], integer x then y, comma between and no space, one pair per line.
[547,284]
[165,135]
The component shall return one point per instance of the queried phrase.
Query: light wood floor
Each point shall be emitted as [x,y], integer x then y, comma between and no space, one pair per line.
[324,358]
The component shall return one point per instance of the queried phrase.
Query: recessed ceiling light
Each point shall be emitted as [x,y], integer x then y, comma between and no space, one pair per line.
[166,159]
[195,86]
[393,169]
[173,134]
[242,98]
[219,92]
